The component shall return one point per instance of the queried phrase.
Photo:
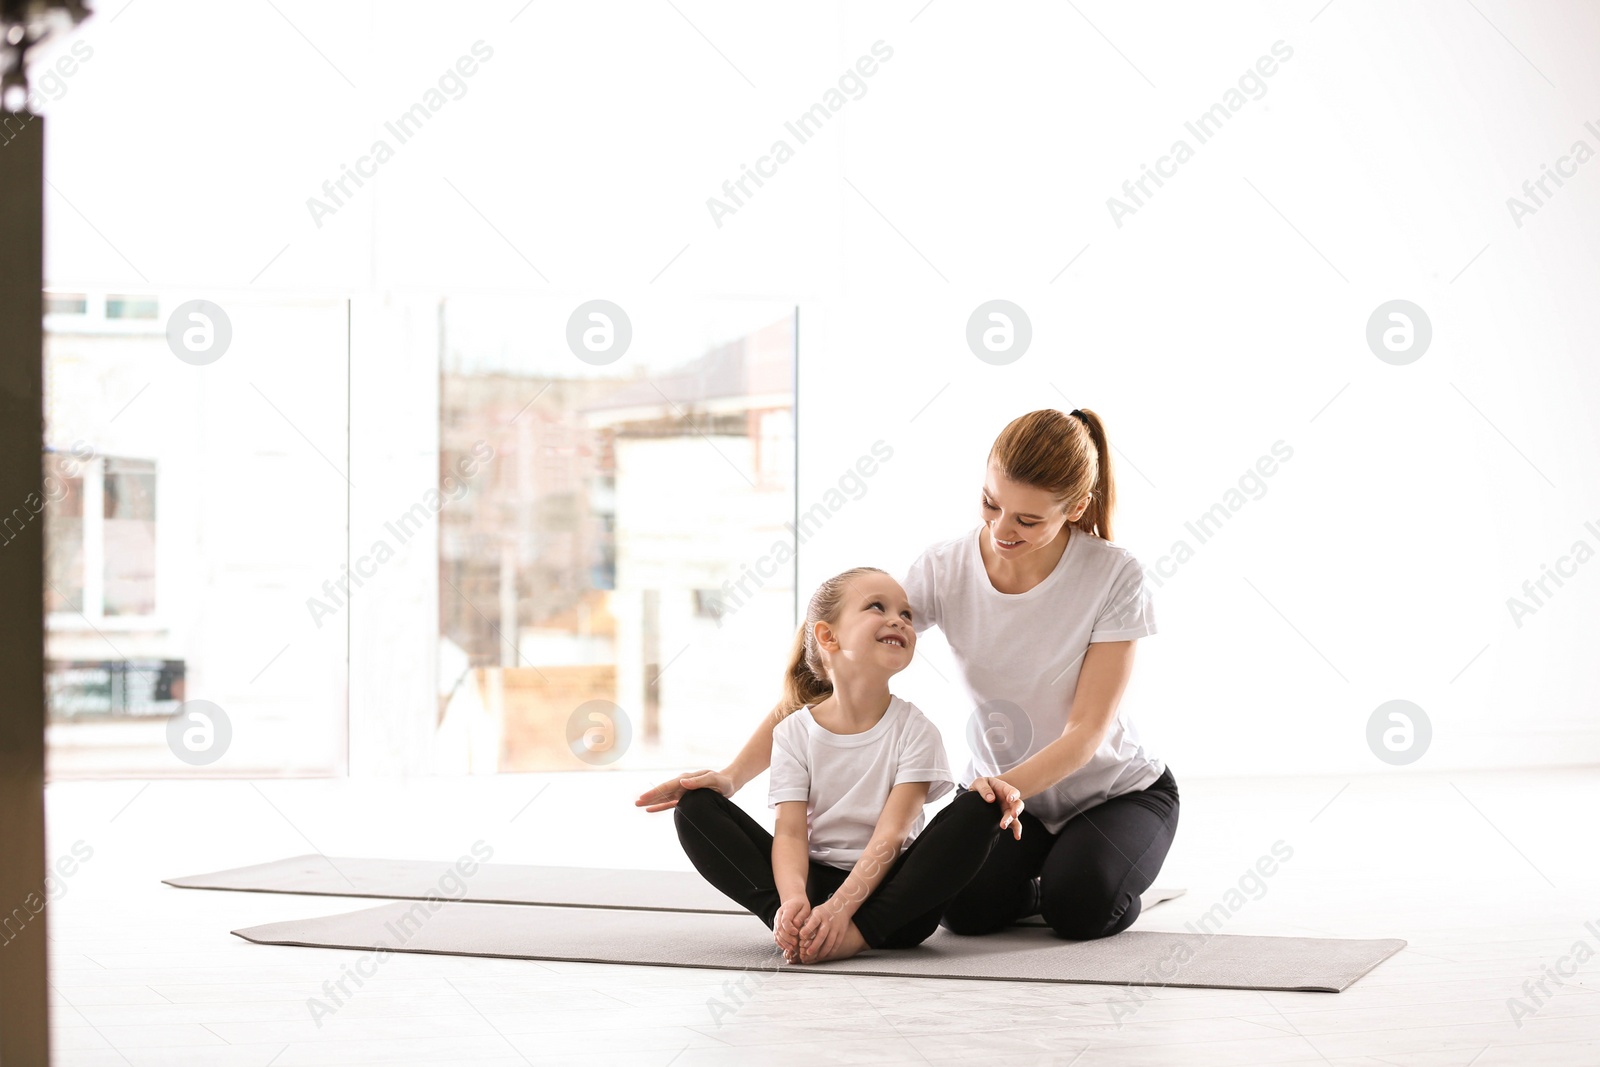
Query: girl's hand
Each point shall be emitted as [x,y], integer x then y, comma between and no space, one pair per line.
[823,930]
[792,915]
[666,794]
[1010,802]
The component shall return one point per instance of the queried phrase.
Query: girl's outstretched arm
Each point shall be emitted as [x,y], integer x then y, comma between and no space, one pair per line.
[755,757]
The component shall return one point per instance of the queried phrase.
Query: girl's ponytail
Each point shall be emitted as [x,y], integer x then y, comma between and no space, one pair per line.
[801,686]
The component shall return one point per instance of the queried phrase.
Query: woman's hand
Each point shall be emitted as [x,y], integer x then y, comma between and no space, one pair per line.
[824,929]
[792,915]
[666,794]
[1010,802]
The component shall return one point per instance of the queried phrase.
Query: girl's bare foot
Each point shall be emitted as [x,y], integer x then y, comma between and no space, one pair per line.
[850,943]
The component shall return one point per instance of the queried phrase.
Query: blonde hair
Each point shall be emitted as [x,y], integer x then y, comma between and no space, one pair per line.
[1066,456]
[805,681]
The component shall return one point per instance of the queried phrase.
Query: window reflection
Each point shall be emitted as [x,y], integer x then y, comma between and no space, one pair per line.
[129,537]
[584,569]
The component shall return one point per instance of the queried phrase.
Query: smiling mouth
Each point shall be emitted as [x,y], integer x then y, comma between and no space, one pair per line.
[1007,544]
[898,642]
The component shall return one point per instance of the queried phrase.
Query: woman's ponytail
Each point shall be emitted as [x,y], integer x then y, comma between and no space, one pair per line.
[1096,517]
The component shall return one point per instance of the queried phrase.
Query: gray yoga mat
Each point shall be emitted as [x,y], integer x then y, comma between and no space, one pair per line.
[742,942]
[495,883]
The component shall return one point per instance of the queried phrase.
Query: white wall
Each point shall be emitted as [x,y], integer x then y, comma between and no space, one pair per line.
[394,621]
[1228,313]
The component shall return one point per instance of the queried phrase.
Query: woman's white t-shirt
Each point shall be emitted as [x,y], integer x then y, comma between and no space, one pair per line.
[846,778]
[1019,656]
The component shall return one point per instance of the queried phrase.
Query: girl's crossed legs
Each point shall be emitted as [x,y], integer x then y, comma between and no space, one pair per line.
[734,853]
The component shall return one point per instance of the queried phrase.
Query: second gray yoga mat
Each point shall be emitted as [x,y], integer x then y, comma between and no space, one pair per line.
[494,883]
[742,942]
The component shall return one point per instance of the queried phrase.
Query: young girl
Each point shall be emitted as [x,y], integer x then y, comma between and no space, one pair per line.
[852,767]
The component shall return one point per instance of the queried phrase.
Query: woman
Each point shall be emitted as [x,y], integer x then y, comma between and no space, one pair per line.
[1041,611]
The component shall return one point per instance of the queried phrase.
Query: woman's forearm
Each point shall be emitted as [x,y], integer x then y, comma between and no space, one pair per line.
[1106,669]
[756,756]
[1053,762]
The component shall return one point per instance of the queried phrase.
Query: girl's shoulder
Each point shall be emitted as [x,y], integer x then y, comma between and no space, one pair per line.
[917,738]
[796,722]
[910,714]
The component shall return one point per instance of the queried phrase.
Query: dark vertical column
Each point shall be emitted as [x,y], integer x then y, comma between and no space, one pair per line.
[24,1001]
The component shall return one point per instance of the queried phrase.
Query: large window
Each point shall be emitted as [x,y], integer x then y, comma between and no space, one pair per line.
[553,562]
[585,572]
[191,509]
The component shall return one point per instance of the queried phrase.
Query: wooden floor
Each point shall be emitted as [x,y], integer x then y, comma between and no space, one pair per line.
[1490,877]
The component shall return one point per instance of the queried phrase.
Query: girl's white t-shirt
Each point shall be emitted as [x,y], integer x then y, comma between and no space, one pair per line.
[1019,655]
[846,778]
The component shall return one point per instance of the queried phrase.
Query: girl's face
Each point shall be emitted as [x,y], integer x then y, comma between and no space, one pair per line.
[873,628]
[1021,518]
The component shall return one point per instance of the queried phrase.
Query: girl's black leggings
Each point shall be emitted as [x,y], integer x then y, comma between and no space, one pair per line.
[734,853]
[962,869]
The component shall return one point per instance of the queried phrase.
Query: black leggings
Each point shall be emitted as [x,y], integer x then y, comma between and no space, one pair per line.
[734,853]
[1090,873]
[962,869]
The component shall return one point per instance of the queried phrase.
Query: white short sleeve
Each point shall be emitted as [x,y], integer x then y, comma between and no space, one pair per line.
[1128,612]
[922,757]
[923,593]
[790,777]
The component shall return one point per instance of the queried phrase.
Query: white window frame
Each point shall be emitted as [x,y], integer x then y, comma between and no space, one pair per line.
[93,473]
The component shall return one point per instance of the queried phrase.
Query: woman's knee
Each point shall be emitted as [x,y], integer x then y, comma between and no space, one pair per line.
[1087,910]
[972,914]
[970,921]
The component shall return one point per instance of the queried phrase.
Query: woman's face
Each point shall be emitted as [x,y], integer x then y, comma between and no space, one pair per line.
[1021,518]
[872,615]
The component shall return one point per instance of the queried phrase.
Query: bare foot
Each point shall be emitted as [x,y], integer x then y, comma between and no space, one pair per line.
[851,943]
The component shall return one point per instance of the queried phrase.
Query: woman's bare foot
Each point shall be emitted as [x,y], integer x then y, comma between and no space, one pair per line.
[850,943]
